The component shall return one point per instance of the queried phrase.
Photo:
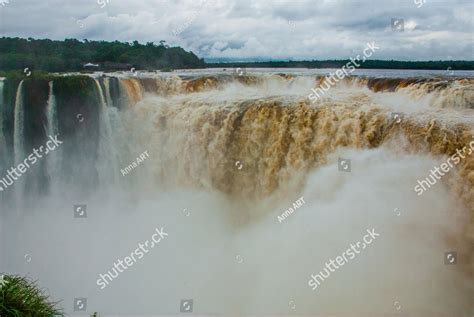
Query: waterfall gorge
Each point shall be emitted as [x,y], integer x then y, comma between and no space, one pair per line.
[235,152]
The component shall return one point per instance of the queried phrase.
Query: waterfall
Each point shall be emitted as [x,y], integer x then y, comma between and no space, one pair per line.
[18,133]
[108,98]
[107,165]
[133,89]
[225,161]
[3,149]
[53,160]
[114,120]
[123,95]
[19,142]
[51,112]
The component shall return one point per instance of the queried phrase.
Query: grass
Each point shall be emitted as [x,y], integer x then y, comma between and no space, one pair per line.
[22,297]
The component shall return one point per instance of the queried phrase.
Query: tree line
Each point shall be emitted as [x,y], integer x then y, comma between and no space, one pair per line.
[368,64]
[72,54]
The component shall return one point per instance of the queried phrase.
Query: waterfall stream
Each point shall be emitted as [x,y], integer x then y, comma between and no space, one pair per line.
[19,142]
[107,164]
[54,158]
[18,135]
[226,157]
[3,146]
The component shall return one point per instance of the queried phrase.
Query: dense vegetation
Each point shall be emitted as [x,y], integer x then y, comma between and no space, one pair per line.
[21,297]
[71,55]
[369,64]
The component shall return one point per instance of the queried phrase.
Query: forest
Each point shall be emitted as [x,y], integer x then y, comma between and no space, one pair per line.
[72,54]
[368,64]
[17,54]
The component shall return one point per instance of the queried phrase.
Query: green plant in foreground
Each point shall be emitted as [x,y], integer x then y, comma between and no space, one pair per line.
[21,297]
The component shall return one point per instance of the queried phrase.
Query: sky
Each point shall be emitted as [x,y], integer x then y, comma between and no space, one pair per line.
[258,29]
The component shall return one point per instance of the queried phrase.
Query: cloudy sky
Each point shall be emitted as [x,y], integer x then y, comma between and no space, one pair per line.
[256,29]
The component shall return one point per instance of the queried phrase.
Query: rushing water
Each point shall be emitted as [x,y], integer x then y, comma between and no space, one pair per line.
[108,155]
[3,148]
[227,156]
[18,137]
[53,161]
[52,115]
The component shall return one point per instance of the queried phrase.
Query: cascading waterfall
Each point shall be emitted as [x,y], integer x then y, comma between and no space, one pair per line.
[108,162]
[134,90]
[3,154]
[106,91]
[117,130]
[3,149]
[122,95]
[19,141]
[53,160]
[52,112]
[251,146]
[19,119]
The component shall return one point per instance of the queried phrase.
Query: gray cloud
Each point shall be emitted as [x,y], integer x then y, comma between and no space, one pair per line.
[296,29]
